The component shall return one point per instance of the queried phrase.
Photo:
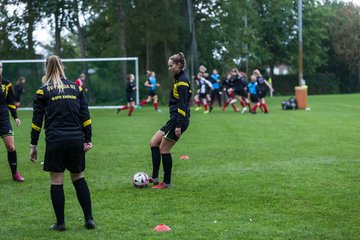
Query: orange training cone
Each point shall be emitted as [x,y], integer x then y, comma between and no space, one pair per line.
[184,157]
[162,228]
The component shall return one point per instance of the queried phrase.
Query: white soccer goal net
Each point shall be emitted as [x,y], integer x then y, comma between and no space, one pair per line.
[104,82]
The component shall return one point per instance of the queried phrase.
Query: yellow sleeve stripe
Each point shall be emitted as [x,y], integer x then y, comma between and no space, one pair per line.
[87,123]
[80,89]
[183,84]
[11,106]
[181,112]
[35,127]
[41,92]
[7,89]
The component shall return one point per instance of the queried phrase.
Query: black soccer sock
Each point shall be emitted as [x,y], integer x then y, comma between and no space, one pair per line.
[12,159]
[58,202]
[83,196]
[167,165]
[156,159]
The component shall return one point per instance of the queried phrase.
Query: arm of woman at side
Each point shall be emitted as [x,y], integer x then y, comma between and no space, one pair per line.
[86,121]
[37,120]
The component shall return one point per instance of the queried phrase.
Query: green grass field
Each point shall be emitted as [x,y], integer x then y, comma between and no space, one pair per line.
[285,175]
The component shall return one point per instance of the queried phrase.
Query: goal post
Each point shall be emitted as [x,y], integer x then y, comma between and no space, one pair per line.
[102,72]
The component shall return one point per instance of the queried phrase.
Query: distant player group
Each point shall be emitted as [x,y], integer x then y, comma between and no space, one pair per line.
[234,87]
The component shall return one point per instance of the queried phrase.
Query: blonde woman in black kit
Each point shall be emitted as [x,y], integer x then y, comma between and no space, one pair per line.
[165,138]
[68,136]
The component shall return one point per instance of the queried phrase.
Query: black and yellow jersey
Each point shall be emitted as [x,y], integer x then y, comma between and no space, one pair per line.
[179,98]
[66,113]
[7,100]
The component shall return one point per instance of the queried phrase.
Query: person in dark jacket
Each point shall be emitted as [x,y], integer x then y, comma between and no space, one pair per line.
[68,136]
[261,87]
[19,90]
[165,138]
[7,103]
[130,90]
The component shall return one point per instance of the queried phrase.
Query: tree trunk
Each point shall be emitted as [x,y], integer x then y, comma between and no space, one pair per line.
[57,32]
[82,48]
[167,52]
[30,30]
[194,49]
[166,46]
[81,39]
[147,40]
[271,70]
[147,52]
[122,39]
[80,31]
[359,73]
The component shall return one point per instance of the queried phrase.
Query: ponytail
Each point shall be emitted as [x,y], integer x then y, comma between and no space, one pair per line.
[54,73]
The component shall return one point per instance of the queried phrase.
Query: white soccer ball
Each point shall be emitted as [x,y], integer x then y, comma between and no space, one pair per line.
[140,180]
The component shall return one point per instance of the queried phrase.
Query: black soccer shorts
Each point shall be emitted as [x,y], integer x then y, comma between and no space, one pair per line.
[254,98]
[202,95]
[64,155]
[130,97]
[5,128]
[261,94]
[152,93]
[237,92]
[169,128]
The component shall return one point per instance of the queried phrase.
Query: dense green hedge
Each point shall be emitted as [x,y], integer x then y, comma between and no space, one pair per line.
[320,83]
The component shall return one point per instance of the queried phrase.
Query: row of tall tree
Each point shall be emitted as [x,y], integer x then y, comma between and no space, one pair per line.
[217,33]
